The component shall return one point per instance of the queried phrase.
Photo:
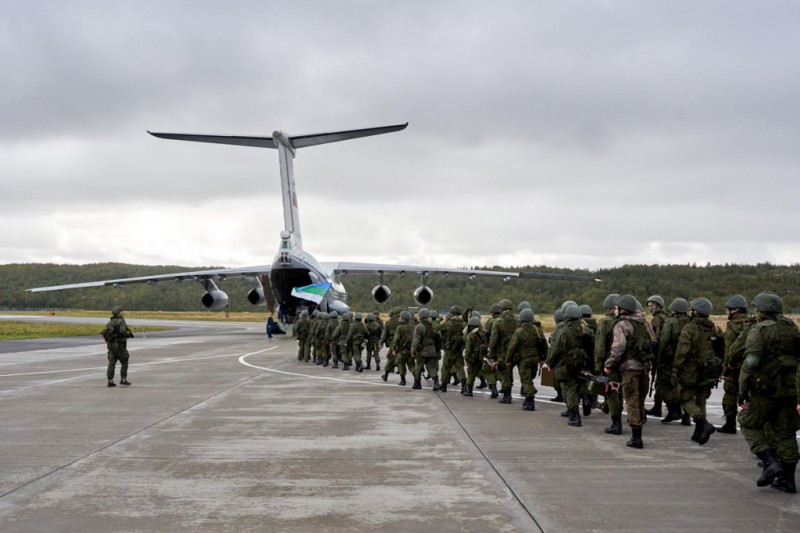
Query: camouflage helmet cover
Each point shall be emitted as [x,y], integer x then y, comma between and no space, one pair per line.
[526,315]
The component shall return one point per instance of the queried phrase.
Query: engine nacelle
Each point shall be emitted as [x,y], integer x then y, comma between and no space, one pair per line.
[215,299]
[423,295]
[381,294]
[256,297]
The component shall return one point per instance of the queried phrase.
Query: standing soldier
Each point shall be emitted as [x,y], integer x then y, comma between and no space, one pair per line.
[386,338]
[355,340]
[527,348]
[665,360]
[321,343]
[300,331]
[425,349]
[476,351]
[400,349]
[312,337]
[372,342]
[631,354]
[452,332]
[569,355]
[739,322]
[116,335]
[768,391]
[503,328]
[603,338]
[655,304]
[698,360]
[339,338]
[330,329]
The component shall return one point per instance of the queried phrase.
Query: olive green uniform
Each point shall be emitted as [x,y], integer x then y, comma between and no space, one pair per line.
[400,348]
[426,349]
[116,335]
[452,332]
[526,349]
[665,360]
[568,356]
[696,363]
[301,330]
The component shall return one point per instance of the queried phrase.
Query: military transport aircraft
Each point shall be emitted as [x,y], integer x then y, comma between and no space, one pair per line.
[293,267]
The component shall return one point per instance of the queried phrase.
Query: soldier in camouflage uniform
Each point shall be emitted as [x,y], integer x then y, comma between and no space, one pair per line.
[665,361]
[301,330]
[312,337]
[476,350]
[768,392]
[372,342]
[526,350]
[655,304]
[452,332]
[604,336]
[116,334]
[503,328]
[568,355]
[698,361]
[355,340]
[386,338]
[330,327]
[400,349]
[339,338]
[323,354]
[631,355]
[739,323]
[426,349]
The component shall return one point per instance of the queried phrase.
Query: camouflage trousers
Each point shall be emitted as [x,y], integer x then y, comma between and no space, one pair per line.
[453,362]
[477,369]
[666,384]
[117,351]
[781,419]
[693,399]
[527,369]
[635,384]
[303,349]
[356,348]
[730,405]
[570,389]
[373,350]
[401,360]
[430,364]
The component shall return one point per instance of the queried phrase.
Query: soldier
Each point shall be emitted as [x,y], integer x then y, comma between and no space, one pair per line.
[568,356]
[452,332]
[425,349]
[312,337]
[330,328]
[631,355]
[339,338]
[355,340]
[386,338]
[655,304]
[476,351]
[698,361]
[768,390]
[558,317]
[602,347]
[665,360]
[586,316]
[372,342]
[400,348]
[116,335]
[526,350]
[323,354]
[503,328]
[300,331]
[739,322]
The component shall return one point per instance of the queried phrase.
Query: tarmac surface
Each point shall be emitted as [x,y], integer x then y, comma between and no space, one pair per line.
[224,430]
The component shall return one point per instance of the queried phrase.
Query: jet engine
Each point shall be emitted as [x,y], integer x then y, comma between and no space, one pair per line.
[381,294]
[256,296]
[215,299]
[423,295]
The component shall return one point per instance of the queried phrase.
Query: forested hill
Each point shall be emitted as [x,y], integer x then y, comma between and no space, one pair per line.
[715,282]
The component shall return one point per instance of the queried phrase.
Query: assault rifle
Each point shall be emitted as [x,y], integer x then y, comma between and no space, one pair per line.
[606,381]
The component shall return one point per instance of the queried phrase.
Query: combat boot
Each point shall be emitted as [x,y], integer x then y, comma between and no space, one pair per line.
[359,366]
[468,391]
[324,363]
[566,413]
[785,482]
[506,396]
[463,386]
[436,384]
[483,382]
[575,418]
[706,430]
[636,439]
[493,388]
[417,384]
[673,413]
[402,380]
[442,387]
[729,426]
[528,405]
[385,376]
[124,381]
[368,367]
[686,420]
[655,410]
[772,467]
[616,425]
[454,375]
[558,397]
[586,400]
[335,363]
[377,367]
[697,428]
[111,383]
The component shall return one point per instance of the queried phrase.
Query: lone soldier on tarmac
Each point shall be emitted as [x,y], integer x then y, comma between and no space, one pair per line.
[116,335]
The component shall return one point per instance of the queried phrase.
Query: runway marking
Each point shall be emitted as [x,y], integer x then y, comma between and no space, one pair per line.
[297,374]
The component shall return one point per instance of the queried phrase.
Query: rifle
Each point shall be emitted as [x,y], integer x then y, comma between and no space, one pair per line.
[606,381]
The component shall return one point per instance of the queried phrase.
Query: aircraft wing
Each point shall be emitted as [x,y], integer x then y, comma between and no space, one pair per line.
[199,275]
[376,268]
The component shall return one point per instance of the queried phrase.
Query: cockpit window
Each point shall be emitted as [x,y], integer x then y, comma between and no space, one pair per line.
[286,245]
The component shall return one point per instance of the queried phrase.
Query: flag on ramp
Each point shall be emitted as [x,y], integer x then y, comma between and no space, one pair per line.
[315,292]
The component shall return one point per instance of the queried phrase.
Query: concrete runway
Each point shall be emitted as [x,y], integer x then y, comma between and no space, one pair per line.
[224,430]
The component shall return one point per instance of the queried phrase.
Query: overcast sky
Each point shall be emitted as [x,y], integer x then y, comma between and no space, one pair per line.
[583,134]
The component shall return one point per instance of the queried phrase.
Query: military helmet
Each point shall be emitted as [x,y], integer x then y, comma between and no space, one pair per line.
[116,310]
[455,310]
[303,313]
[346,316]
[405,315]
[494,309]
[586,310]
[572,312]
[737,300]
[370,317]
[767,302]
[358,316]
[524,304]
[610,300]
[476,313]
[474,321]
[626,302]
[434,313]
[395,311]
[424,313]
[657,299]
[333,314]
[505,304]
[567,304]
[526,315]
[322,315]
[679,305]
[558,315]
[701,306]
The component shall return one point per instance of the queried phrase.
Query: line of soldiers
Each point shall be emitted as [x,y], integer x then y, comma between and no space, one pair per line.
[756,358]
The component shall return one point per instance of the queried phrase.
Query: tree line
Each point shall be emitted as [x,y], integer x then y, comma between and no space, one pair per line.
[715,282]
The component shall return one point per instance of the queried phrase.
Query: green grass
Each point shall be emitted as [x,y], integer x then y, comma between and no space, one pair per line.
[11,331]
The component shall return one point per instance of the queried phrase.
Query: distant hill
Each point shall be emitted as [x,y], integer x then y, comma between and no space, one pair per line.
[715,282]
